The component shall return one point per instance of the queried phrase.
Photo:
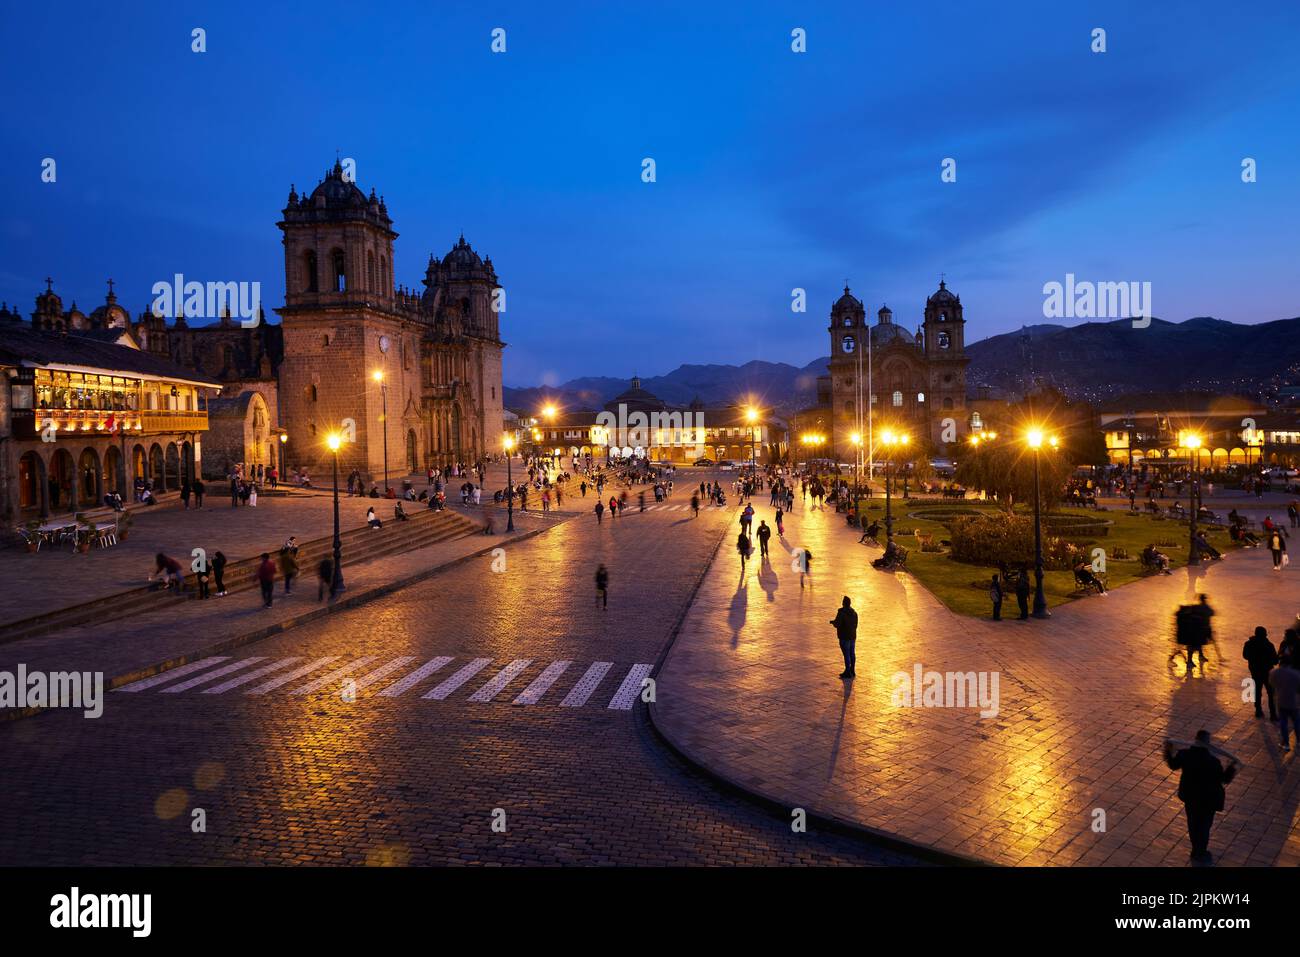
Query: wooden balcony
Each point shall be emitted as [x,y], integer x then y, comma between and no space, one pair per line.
[83,423]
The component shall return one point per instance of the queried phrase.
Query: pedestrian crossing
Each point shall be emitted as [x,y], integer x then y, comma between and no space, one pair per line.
[479,680]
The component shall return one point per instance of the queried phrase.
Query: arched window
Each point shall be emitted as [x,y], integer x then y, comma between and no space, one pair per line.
[897,398]
[311,393]
[920,397]
[309,266]
[340,271]
[943,340]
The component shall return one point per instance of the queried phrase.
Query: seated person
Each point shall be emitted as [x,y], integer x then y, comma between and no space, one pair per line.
[889,559]
[372,519]
[1203,547]
[1235,517]
[374,491]
[1243,535]
[146,496]
[1176,508]
[870,532]
[1153,558]
[400,513]
[1084,576]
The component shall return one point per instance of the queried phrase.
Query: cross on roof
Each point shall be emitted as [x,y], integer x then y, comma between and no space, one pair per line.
[49,284]
[110,287]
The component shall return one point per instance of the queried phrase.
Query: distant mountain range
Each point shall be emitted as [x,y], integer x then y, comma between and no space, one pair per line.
[1093,361]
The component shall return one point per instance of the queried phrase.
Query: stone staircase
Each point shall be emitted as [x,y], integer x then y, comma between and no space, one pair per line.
[359,545]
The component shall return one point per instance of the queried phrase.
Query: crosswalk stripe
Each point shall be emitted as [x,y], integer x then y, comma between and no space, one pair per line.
[209,675]
[335,675]
[251,676]
[415,677]
[173,674]
[296,673]
[367,680]
[542,683]
[580,692]
[503,678]
[627,692]
[458,679]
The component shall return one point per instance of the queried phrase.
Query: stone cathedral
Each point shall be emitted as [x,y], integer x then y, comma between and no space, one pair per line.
[916,381]
[348,328]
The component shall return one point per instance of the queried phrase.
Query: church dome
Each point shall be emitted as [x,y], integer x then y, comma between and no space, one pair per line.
[462,256]
[337,191]
[847,301]
[886,333]
[942,294]
[635,399]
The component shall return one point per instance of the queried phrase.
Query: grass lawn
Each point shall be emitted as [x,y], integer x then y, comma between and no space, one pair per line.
[964,588]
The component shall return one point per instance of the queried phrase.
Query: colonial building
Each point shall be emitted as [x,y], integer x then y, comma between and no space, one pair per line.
[911,382]
[413,377]
[1154,430]
[637,423]
[84,411]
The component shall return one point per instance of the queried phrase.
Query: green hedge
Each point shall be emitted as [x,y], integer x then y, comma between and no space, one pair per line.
[993,538]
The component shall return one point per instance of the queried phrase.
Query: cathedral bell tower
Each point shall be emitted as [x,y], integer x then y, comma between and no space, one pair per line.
[848,371]
[944,334]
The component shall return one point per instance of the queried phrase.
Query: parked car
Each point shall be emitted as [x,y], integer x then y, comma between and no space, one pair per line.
[704,462]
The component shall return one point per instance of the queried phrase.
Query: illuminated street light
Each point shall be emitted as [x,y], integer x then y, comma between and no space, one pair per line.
[1034,439]
[334,441]
[509,443]
[891,440]
[1193,443]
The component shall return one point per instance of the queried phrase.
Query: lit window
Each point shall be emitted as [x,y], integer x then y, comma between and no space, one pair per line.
[920,397]
[898,399]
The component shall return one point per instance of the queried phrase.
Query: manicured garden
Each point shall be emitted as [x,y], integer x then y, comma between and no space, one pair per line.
[930,529]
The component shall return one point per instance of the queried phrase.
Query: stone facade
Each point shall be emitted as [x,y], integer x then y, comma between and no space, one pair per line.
[354,344]
[917,383]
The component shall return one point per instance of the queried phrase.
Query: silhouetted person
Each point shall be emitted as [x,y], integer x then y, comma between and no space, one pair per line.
[1022,592]
[995,596]
[1285,683]
[763,533]
[1261,656]
[846,629]
[1200,788]
[602,586]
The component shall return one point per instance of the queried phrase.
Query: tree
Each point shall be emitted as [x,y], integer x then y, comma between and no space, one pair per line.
[1004,469]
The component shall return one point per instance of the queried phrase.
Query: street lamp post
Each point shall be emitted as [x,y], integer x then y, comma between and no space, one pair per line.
[890,439]
[856,439]
[510,484]
[284,437]
[751,416]
[334,441]
[383,391]
[1194,495]
[1034,439]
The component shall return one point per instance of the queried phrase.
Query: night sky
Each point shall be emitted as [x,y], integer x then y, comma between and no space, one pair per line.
[775,169]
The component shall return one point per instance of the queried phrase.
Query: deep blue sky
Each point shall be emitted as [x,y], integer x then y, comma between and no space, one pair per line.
[775,169]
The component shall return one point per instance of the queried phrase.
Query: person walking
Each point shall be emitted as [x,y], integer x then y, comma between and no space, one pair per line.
[780,523]
[219,573]
[288,566]
[1260,657]
[234,491]
[763,533]
[186,488]
[995,596]
[266,579]
[600,512]
[742,546]
[199,490]
[1277,545]
[325,579]
[1022,591]
[602,586]
[1200,788]
[1284,682]
[846,629]
[695,506]
[805,564]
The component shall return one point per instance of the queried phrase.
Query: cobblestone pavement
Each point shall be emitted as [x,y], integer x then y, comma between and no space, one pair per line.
[410,762]
[750,691]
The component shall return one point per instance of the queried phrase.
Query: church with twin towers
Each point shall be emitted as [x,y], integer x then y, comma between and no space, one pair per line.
[355,342]
[911,382]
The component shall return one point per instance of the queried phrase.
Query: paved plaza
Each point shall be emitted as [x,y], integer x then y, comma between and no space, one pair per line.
[480,674]
[750,691]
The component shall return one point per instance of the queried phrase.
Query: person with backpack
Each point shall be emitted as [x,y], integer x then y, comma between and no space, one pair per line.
[1260,657]
[1200,788]
[846,630]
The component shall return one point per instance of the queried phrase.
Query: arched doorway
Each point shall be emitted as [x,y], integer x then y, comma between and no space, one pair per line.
[114,478]
[139,464]
[412,463]
[31,484]
[173,466]
[88,478]
[62,482]
[156,466]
